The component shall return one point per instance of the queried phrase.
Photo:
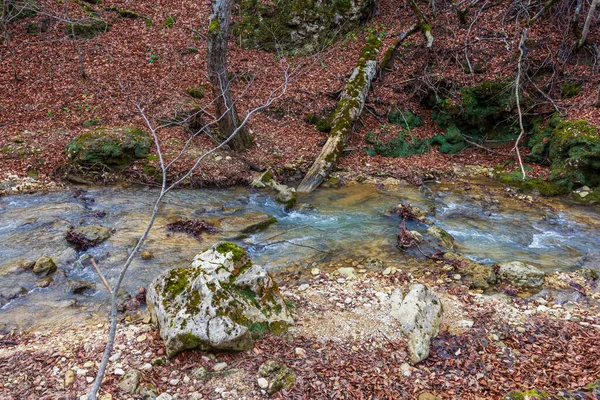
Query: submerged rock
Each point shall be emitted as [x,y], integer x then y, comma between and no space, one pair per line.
[443,237]
[420,315]
[216,303]
[84,237]
[9,293]
[480,275]
[521,274]
[44,266]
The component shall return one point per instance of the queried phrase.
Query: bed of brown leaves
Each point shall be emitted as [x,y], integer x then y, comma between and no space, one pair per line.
[45,106]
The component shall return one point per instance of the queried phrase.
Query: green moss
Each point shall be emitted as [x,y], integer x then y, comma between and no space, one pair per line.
[570,89]
[545,188]
[261,225]
[273,26]
[403,145]
[113,147]
[486,110]
[169,21]
[33,29]
[406,119]
[88,123]
[196,92]
[175,284]
[574,152]
[213,27]
[89,29]
[452,142]
[322,124]
[238,253]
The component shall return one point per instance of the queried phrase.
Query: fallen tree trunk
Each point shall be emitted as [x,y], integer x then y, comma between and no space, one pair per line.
[348,110]
[425,26]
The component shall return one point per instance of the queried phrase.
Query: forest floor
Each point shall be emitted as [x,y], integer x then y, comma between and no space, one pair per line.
[344,345]
[44,101]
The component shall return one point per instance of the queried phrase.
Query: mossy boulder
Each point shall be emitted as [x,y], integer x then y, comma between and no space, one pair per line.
[445,239]
[574,152]
[84,237]
[298,25]
[115,147]
[480,275]
[539,185]
[87,29]
[216,303]
[44,266]
[283,194]
[521,274]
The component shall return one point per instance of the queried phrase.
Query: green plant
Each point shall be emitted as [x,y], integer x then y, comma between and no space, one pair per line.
[153,58]
[402,145]
[169,21]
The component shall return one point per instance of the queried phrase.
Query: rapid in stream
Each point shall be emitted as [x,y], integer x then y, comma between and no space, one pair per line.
[552,234]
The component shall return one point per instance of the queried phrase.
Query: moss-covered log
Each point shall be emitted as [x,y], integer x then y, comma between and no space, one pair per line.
[425,26]
[347,111]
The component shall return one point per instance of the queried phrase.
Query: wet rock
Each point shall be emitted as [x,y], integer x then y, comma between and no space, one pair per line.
[79,287]
[10,293]
[84,237]
[480,275]
[589,274]
[216,302]
[44,282]
[443,237]
[130,382]
[281,376]
[521,274]
[283,194]
[249,223]
[44,266]
[420,315]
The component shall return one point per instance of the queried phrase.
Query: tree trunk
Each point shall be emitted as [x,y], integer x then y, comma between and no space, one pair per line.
[588,22]
[348,110]
[227,118]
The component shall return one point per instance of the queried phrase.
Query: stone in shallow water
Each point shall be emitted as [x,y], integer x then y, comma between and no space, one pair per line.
[44,266]
[216,303]
[521,274]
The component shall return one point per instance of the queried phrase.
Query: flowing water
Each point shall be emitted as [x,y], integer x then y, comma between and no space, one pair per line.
[349,222]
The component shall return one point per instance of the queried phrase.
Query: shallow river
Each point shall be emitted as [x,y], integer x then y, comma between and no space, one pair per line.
[553,234]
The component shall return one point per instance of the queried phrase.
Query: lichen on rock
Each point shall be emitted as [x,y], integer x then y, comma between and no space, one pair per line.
[420,316]
[213,303]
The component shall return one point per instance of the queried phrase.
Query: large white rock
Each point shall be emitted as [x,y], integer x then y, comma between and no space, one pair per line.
[521,274]
[420,315]
[214,303]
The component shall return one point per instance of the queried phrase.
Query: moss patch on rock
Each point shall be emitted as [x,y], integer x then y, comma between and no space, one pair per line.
[297,25]
[87,29]
[220,302]
[115,147]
